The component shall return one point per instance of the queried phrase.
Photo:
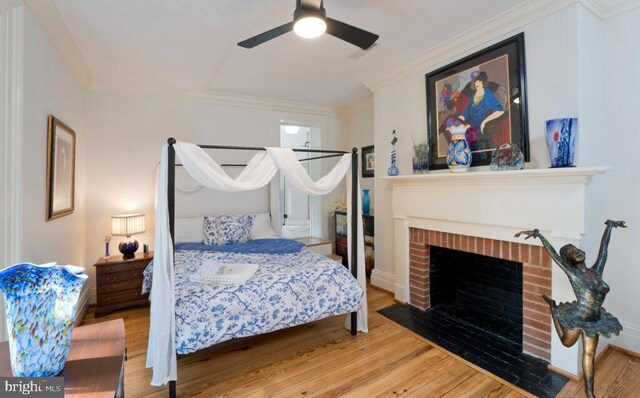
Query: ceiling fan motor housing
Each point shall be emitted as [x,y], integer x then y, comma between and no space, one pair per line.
[306,11]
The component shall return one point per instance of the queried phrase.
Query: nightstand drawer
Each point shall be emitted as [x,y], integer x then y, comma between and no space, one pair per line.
[117,298]
[138,265]
[120,276]
[130,284]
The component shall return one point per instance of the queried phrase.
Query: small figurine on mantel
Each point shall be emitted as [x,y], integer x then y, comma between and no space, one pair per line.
[584,317]
[393,169]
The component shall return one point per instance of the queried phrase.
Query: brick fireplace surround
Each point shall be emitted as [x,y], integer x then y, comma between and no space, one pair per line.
[536,279]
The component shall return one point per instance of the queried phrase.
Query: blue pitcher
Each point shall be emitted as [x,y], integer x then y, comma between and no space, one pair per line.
[40,302]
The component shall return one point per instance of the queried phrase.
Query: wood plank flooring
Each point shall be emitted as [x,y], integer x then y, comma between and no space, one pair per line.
[617,375]
[322,359]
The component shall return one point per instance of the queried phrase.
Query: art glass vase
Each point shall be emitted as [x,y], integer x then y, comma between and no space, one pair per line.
[420,157]
[507,157]
[366,202]
[393,169]
[40,302]
[561,140]
[459,154]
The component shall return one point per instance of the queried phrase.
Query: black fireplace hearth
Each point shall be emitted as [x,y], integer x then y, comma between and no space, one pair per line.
[476,313]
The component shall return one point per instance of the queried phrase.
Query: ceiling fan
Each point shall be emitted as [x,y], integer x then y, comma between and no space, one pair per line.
[309,21]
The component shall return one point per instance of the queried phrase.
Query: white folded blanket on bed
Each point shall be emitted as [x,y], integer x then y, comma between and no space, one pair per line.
[224,273]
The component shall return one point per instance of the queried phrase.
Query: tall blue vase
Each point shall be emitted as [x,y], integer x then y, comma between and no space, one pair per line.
[40,301]
[366,202]
[561,141]
[393,169]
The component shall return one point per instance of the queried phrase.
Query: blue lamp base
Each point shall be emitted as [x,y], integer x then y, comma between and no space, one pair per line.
[128,248]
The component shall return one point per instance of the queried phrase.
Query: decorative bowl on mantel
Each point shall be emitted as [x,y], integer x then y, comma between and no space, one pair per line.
[40,302]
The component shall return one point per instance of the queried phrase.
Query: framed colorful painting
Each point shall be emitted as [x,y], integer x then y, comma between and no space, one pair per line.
[487,92]
[61,163]
[368,161]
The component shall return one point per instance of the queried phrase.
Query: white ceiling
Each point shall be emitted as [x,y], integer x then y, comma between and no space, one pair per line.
[190,45]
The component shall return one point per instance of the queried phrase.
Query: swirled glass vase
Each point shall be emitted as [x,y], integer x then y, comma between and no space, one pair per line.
[40,302]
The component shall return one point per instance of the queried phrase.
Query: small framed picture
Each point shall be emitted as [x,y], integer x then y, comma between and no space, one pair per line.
[61,163]
[368,161]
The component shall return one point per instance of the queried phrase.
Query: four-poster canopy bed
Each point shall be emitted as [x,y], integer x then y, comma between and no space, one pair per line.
[163,349]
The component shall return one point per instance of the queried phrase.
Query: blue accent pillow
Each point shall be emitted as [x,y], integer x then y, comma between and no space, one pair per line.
[227,229]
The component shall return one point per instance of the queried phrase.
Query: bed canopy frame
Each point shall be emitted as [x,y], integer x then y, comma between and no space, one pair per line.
[324,154]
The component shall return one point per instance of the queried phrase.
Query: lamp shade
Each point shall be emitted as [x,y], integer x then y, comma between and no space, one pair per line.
[127,224]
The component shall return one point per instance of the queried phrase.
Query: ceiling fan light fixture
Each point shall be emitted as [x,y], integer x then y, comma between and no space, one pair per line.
[309,27]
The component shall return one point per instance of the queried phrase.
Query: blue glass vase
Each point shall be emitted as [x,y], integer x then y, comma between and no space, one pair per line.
[366,202]
[40,302]
[393,169]
[561,140]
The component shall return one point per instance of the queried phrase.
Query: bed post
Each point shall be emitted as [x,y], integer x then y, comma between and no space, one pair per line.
[354,229]
[171,204]
[171,186]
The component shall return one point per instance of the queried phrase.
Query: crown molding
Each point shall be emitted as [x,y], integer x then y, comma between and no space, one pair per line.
[497,27]
[9,4]
[605,9]
[491,30]
[52,23]
[358,108]
[219,98]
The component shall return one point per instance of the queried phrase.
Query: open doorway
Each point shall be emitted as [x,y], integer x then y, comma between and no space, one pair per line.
[299,210]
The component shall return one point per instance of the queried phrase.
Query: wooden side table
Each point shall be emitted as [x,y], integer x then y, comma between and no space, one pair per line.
[95,365]
[317,245]
[119,282]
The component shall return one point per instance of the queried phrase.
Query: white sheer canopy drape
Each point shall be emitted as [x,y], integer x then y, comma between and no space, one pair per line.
[204,171]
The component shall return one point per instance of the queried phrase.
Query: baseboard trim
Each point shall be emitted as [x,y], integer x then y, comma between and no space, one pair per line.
[83,306]
[625,351]
[383,280]
[629,338]
[599,359]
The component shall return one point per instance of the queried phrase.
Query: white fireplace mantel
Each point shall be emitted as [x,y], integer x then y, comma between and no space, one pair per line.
[565,175]
[495,205]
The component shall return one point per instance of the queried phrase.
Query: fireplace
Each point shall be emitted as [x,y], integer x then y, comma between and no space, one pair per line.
[479,212]
[535,271]
[482,291]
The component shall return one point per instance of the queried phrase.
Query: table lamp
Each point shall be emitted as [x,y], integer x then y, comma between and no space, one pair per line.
[127,225]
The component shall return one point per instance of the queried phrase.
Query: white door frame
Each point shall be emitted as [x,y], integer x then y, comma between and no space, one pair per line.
[11,93]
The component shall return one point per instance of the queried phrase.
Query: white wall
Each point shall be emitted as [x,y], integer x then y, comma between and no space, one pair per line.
[610,60]
[358,133]
[50,88]
[577,66]
[549,42]
[127,133]
[39,84]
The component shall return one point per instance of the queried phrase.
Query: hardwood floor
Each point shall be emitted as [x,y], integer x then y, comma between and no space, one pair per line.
[617,375]
[320,360]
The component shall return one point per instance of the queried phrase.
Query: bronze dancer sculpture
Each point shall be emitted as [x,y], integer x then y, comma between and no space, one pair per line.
[584,317]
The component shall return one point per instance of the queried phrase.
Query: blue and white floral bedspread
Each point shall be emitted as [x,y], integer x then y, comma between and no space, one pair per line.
[287,290]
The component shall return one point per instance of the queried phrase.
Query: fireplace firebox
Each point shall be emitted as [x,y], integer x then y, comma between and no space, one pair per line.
[482,291]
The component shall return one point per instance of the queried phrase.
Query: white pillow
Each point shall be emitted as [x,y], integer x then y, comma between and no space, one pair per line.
[261,227]
[189,230]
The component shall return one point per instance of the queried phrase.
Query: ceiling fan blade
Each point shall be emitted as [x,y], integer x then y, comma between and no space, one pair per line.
[351,34]
[266,36]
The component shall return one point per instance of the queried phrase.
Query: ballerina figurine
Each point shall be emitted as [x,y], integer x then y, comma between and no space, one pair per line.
[584,317]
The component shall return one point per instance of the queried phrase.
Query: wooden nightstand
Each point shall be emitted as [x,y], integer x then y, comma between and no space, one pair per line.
[317,245]
[119,282]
